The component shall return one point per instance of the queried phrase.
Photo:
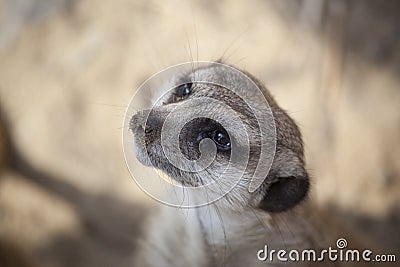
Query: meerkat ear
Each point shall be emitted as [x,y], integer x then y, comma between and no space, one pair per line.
[287,183]
[285,193]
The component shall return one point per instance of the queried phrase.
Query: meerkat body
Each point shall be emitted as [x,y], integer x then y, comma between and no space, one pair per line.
[209,237]
[233,228]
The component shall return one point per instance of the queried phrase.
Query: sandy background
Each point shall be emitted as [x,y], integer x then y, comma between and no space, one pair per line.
[68,69]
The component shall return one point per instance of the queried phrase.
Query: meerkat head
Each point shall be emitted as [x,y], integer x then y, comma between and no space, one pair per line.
[218,128]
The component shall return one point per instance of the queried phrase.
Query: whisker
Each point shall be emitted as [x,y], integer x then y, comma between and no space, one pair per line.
[240,35]
[110,105]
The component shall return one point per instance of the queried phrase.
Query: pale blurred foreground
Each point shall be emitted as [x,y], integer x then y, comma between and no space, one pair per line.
[68,69]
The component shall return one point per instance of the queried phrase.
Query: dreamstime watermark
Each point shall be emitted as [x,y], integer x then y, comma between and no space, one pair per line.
[339,253]
[201,76]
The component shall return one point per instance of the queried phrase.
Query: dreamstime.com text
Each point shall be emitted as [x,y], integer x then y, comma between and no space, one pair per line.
[340,253]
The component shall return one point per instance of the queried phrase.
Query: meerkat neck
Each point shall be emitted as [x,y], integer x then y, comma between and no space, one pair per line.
[229,233]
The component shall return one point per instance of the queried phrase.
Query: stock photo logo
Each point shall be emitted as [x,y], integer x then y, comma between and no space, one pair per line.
[189,130]
[339,253]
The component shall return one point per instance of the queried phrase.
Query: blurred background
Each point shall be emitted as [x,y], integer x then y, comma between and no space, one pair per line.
[69,68]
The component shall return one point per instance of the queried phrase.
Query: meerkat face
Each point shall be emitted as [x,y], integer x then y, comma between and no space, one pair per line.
[202,132]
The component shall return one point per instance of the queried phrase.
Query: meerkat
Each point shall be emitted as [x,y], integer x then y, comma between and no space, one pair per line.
[232,230]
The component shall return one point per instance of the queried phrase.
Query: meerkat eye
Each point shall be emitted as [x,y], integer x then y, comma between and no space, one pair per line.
[183,90]
[221,139]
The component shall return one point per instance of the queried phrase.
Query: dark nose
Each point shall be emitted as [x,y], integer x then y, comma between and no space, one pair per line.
[145,122]
[134,123]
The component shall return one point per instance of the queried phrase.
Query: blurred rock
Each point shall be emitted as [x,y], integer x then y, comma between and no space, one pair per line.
[3,146]
[12,255]
[20,13]
[69,68]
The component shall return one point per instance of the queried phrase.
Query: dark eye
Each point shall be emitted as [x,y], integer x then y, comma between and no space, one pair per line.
[221,139]
[183,90]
